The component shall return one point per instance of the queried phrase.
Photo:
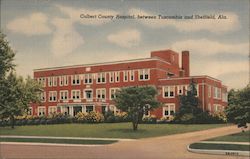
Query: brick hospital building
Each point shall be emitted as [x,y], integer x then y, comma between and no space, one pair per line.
[92,87]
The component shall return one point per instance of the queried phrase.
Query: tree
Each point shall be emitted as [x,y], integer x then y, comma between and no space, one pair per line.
[16,94]
[6,57]
[238,110]
[136,101]
[190,103]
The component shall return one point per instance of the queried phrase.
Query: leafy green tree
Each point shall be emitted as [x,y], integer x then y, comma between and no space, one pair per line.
[238,110]
[16,94]
[189,103]
[136,101]
[6,57]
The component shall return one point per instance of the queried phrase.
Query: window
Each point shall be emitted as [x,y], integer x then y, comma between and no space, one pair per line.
[88,94]
[217,93]
[63,80]
[42,81]
[168,91]
[101,93]
[64,95]
[75,79]
[101,77]
[180,90]
[52,96]
[117,76]
[50,81]
[75,94]
[218,107]
[52,109]
[30,111]
[113,109]
[89,108]
[224,96]
[88,78]
[144,74]
[41,111]
[209,91]
[43,96]
[132,75]
[54,81]
[112,93]
[169,110]
[125,76]
[111,77]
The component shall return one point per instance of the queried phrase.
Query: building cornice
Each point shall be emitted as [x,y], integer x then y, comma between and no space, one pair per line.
[101,64]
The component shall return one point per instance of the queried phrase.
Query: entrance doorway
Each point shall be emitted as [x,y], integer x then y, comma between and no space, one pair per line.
[77,109]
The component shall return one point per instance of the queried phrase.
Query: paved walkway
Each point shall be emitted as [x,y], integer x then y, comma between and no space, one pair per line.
[166,147]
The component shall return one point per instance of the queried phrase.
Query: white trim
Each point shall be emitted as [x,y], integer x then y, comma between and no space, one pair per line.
[38,110]
[113,88]
[167,107]
[63,92]
[53,94]
[144,72]
[168,90]
[52,107]
[84,94]
[125,74]
[76,92]
[75,77]
[101,92]
[100,75]
[88,76]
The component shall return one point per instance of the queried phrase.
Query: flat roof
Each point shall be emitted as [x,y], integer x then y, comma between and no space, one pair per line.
[190,77]
[100,64]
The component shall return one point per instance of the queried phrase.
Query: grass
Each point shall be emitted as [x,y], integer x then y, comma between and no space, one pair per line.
[238,137]
[210,146]
[105,130]
[64,141]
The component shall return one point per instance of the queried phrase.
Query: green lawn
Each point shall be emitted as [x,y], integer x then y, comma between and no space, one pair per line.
[59,141]
[210,146]
[107,130]
[239,137]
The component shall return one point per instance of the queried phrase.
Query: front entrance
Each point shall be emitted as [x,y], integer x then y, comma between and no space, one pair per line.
[77,109]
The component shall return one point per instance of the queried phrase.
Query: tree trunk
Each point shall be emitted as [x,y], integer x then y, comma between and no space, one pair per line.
[135,125]
[135,122]
[12,119]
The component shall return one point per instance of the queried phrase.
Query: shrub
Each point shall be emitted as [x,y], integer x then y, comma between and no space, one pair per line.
[94,117]
[168,119]
[149,119]
[81,117]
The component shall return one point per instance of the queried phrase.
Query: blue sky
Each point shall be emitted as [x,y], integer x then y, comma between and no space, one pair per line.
[47,33]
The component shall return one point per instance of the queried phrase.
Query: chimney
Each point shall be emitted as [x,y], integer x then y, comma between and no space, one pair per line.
[185,63]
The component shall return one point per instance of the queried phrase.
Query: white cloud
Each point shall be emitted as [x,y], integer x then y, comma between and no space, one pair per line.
[216,26]
[65,39]
[35,24]
[208,47]
[216,67]
[76,14]
[126,38]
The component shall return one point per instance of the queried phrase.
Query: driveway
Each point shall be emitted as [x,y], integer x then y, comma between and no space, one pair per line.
[166,147]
